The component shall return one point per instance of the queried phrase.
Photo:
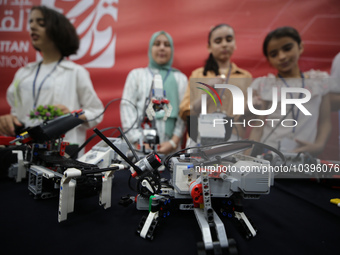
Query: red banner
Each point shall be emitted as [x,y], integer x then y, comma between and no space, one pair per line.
[115,34]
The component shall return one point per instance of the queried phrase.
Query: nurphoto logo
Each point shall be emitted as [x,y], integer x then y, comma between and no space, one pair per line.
[239,105]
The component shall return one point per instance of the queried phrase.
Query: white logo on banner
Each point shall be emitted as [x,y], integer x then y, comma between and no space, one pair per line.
[94,21]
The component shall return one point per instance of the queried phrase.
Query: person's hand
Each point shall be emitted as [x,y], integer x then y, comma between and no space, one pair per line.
[166,148]
[258,103]
[63,108]
[311,148]
[7,124]
[146,147]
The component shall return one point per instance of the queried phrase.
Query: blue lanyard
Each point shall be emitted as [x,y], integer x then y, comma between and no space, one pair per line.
[226,81]
[36,97]
[295,116]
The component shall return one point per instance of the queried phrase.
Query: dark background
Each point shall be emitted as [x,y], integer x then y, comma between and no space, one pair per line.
[295,218]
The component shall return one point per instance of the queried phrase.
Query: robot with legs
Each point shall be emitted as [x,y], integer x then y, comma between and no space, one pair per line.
[212,176]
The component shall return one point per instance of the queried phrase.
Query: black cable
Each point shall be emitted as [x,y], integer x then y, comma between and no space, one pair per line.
[128,143]
[166,159]
[129,183]
[112,134]
[102,130]
[136,114]
[297,156]
[114,100]
[109,143]
[107,105]
[89,140]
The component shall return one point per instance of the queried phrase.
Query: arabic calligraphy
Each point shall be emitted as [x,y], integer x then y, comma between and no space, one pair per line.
[94,21]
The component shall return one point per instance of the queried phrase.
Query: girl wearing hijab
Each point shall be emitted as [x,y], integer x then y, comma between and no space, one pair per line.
[137,90]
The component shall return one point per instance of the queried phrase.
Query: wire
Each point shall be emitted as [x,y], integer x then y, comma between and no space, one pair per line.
[128,143]
[89,140]
[108,104]
[136,114]
[129,184]
[166,159]
[105,129]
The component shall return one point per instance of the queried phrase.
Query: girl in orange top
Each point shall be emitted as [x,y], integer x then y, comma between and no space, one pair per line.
[221,46]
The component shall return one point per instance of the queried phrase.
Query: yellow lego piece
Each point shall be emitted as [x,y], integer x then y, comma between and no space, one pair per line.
[24,134]
[335,201]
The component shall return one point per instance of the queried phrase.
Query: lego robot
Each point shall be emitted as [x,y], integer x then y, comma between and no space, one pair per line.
[215,176]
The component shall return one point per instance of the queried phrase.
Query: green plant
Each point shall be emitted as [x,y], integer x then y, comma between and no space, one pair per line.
[46,112]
